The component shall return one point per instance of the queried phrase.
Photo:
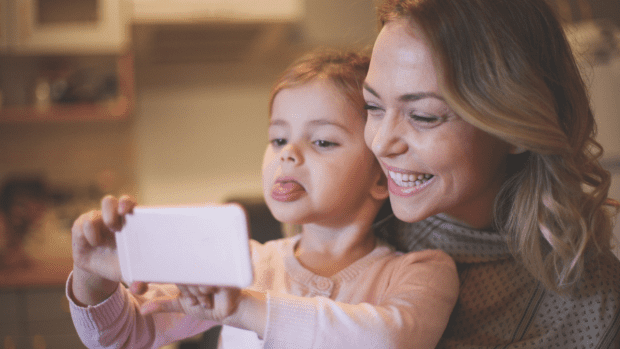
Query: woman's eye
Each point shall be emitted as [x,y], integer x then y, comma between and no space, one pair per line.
[372,109]
[324,144]
[278,142]
[425,119]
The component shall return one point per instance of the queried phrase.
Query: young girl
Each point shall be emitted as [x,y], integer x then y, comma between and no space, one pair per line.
[332,286]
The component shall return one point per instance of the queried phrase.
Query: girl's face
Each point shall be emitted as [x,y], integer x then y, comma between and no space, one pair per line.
[317,168]
[435,161]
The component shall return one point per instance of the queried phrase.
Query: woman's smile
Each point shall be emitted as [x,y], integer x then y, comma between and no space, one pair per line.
[406,183]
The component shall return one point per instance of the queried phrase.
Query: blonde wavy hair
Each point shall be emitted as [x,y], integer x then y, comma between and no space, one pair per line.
[505,67]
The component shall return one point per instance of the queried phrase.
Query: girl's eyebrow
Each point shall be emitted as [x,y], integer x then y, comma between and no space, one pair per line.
[323,122]
[277,123]
[313,123]
[409,97]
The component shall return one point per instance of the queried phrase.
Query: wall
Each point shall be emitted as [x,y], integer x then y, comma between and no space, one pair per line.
[201,128]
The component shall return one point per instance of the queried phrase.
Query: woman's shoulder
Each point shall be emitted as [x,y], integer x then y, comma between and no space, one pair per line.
[592,310]
[601,275]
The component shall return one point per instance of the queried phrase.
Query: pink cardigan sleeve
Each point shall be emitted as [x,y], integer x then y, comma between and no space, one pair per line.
[117,323]
[414,312]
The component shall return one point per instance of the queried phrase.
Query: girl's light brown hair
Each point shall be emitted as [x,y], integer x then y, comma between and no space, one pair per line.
[345,69]
[505,67]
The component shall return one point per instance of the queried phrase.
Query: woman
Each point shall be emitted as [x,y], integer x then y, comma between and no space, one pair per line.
[480,119]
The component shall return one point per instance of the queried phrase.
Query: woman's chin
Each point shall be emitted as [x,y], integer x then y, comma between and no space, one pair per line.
[408,214]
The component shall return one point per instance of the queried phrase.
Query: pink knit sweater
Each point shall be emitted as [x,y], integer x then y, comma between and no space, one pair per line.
[383,300]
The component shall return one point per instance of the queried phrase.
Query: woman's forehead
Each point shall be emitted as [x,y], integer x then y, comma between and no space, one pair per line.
[401,61]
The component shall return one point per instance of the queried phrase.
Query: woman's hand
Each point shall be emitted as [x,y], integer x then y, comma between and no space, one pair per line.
[204,302]
[96,269]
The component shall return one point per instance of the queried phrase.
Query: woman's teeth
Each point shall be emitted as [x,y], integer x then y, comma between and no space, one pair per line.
[409,180]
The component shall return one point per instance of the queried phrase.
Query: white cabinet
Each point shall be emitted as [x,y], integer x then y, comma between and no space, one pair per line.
[33,318]
[154,11]
[66,26]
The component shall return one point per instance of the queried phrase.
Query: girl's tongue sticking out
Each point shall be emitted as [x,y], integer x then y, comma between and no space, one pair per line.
[287,191]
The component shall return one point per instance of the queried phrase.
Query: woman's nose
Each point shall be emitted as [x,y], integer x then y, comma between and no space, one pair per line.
[388,138]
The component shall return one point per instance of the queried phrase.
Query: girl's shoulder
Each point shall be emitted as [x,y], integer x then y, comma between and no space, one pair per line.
[429,259]
[269,249]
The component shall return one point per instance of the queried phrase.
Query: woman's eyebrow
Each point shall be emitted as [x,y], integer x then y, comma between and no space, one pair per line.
[369,89]
[406,97]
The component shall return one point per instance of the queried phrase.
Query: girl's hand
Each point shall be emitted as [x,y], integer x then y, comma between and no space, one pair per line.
[204,302]
[96,269]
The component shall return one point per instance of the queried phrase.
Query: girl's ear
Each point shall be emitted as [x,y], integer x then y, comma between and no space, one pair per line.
[514,150]
[379,190]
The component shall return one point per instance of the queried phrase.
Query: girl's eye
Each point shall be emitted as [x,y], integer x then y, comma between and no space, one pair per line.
[325,144]
[278,142]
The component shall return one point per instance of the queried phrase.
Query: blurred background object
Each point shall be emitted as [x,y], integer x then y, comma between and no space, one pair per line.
[23,202]
[595,40]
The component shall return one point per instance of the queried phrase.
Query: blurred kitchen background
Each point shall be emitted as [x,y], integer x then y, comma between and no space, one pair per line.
[166,100]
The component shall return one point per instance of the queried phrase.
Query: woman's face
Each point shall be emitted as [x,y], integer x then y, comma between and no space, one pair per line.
[434,160]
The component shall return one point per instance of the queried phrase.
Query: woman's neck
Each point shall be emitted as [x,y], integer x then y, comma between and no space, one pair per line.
[326,251]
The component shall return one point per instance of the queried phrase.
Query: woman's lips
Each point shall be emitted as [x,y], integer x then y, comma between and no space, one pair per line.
[406,183]
[287,190]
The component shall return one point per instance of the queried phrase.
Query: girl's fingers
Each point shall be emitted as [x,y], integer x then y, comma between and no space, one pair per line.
[198,294]
[162,305]
[207,289]
[138,288]
[109,212]
[184,290]
[91,226]
[126,204]
[186,294]
[206,301]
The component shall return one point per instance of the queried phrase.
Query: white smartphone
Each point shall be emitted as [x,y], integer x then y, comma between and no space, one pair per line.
[186,245]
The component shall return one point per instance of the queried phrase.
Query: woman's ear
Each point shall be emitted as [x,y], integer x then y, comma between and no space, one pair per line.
[379,190]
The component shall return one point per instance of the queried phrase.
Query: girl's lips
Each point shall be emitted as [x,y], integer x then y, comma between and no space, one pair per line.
[286,190]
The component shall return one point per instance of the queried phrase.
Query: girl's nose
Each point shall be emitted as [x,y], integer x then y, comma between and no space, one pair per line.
[388,138]
[290,153]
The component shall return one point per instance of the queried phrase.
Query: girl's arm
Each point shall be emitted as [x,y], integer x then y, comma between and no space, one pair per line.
[117,323]
[413,313]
